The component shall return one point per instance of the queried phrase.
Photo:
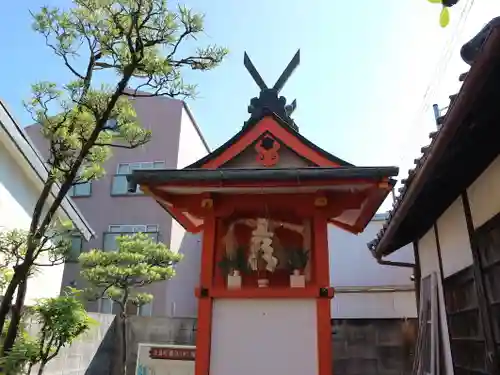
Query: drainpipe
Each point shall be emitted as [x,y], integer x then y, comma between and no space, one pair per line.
[415,277]
[395,264]
[391,263]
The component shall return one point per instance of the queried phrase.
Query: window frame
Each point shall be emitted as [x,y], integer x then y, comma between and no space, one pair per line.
[150,310]
[99,305]
[117,174]
[124,232]
[69,258]
[114,128]
[72,190]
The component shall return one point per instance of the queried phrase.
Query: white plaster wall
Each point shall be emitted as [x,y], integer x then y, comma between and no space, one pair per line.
[483,194]
[352,264]
[454,239]
[18,195]
[191,149]
[287,326]
[427,251]
[191,145]
[181,300]
[180,290]
[374,305]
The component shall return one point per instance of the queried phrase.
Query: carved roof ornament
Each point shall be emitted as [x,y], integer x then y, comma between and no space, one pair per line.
[473,47]
[269,99]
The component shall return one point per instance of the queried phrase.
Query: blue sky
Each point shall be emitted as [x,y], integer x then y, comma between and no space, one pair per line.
[365,67]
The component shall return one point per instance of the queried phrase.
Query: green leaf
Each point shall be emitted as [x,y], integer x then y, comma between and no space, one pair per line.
[138,262]
[444,17]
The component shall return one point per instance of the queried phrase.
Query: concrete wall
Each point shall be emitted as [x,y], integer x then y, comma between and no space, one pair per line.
[98,351]
[18,195]
[454,238]
[92,353]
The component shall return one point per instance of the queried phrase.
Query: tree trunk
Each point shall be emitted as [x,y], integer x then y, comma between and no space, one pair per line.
[123,314]
[124,341]
[41,368]
[15,318]
[7,299]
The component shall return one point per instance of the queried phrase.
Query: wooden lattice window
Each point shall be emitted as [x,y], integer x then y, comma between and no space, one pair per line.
[468,346]
[488,239]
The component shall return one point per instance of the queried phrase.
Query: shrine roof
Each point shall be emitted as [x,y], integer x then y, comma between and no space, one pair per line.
[306,170]
[284,124]
[220,176]
[464,144]
[355,192]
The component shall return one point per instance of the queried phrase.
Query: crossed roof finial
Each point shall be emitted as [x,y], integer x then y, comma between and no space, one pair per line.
[269,99]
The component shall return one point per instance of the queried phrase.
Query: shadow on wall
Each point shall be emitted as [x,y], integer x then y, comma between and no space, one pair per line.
[180,290]
[102,361]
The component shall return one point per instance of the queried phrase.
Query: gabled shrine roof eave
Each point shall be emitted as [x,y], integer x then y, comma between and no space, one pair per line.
[197,175]
[220,150]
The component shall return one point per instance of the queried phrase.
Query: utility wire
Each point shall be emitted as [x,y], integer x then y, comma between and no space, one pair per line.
[437,76]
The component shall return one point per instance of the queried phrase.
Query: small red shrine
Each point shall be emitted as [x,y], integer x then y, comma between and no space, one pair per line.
[263,201]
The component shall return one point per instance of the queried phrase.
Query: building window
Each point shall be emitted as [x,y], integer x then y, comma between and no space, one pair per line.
[76,248]
[467,343]
[119,186]
[145,310]
[105,306]
[109,238]
[80,189]
[112,124]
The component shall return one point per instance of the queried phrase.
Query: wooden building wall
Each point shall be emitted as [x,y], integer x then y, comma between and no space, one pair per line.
[463,249]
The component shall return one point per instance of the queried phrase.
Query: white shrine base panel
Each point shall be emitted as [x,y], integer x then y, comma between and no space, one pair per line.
[264,337]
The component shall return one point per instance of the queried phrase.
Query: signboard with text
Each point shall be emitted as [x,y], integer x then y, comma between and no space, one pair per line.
[175,353]
[162,359]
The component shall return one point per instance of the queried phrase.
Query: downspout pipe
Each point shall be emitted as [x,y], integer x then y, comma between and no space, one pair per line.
[395,264]
[382,262]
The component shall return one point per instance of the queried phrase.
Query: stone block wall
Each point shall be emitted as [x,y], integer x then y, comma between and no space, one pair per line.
[373,346]
[360,347]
